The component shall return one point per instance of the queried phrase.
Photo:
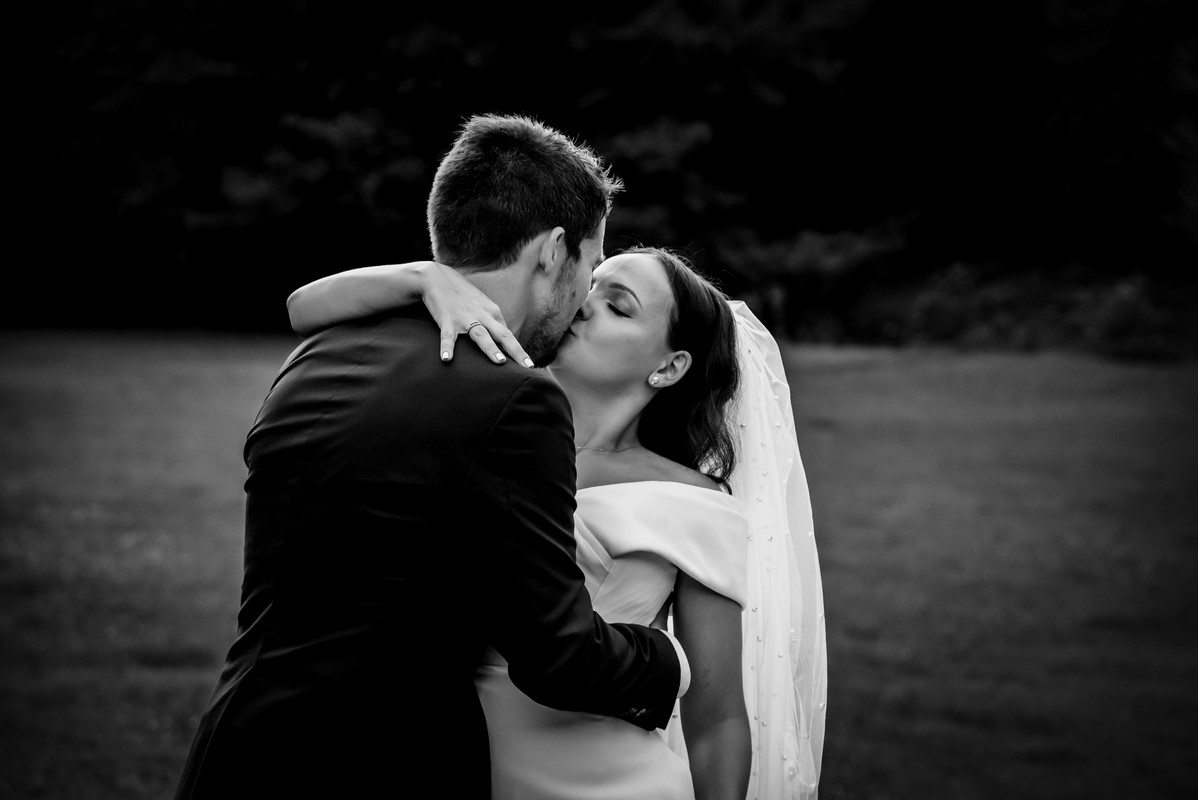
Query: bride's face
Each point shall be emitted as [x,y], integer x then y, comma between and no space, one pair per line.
[618,337]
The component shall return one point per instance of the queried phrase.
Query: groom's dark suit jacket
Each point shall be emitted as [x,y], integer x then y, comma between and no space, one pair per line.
[401,515]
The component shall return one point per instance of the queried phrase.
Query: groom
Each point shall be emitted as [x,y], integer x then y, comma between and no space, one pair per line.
[402,514]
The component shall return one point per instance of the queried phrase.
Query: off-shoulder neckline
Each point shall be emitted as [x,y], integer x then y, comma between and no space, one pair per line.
[655,482]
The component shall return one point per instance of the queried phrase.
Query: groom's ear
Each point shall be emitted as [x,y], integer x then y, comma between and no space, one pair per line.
[553,253]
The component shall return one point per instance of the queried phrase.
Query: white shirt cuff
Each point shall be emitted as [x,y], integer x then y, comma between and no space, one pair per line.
[684,666]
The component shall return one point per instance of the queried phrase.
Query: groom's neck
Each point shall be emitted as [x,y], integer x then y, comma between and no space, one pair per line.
[507,288]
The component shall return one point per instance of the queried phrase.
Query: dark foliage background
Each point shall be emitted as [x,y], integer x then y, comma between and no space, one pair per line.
[983,172]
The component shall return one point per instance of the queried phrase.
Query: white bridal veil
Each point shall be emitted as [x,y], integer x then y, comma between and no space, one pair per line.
[785,655]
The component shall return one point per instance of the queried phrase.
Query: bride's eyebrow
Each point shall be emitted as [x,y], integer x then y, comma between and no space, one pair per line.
[619,287]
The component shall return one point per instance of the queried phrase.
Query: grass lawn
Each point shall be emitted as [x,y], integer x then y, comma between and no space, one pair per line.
[1009,547]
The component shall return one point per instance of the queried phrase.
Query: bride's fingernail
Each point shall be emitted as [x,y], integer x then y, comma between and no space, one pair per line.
[499,358]
[528,362]
[445,356]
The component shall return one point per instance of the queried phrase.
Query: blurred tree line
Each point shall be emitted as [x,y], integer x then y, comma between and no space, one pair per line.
[987,172]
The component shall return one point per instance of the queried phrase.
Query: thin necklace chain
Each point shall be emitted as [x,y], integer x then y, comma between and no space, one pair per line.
[606,450]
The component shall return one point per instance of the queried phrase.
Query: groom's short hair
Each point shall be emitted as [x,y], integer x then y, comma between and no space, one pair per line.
[507,179]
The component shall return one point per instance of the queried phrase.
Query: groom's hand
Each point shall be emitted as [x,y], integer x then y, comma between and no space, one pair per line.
[662,620]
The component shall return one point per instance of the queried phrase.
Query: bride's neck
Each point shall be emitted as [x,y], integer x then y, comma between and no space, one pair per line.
[605,423]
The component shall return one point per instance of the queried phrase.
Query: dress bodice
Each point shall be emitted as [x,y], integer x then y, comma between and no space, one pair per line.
[632,538]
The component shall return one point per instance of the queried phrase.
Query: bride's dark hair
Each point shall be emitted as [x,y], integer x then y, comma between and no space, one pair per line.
[689,421]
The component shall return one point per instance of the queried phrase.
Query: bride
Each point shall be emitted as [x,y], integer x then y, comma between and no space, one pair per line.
[692,512]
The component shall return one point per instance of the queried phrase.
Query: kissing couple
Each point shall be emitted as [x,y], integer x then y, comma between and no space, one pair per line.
[584,569]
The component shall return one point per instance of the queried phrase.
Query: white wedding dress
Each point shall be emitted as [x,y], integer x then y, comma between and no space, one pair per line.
[632,539]
[756,546]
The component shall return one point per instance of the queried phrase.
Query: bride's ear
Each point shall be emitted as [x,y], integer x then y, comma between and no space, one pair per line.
[553,253]
[671,371]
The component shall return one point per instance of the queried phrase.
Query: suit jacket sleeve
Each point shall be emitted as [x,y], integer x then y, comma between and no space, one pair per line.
[559,651]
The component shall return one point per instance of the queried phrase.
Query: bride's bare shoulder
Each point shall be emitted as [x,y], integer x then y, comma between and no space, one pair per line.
[677,473]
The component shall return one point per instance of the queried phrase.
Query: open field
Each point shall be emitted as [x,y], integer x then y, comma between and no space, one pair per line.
[1009,547]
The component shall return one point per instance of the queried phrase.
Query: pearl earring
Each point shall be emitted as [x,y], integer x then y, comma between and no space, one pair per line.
[653,380]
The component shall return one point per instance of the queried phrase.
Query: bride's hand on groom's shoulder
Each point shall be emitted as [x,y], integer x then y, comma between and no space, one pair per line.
[459,308]
[456,305]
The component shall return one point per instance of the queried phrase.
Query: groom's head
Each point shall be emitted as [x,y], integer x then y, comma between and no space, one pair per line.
[507,179]
[512,188]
